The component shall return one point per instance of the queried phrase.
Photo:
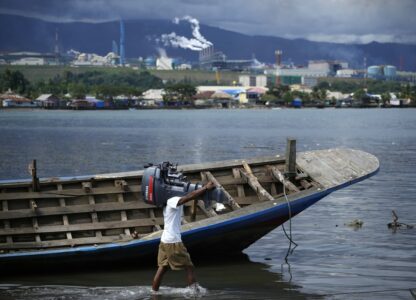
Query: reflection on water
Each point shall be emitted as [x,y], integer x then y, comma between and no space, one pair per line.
[236,279]
[332,259]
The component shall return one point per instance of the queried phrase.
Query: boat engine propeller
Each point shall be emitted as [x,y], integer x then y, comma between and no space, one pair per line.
[163,181]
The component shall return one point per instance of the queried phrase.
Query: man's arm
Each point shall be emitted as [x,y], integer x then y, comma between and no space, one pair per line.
[195,194]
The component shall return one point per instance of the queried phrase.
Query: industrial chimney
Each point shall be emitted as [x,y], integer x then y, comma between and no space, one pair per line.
[122,51]
[278,54]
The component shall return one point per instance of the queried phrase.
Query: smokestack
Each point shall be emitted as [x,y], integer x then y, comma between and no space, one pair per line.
[122,51]
[278,54]
[56,42]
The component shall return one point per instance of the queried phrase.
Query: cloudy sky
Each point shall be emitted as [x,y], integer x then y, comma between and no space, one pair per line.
[345,21]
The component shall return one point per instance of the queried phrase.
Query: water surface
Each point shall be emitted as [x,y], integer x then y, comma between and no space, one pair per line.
[332,260]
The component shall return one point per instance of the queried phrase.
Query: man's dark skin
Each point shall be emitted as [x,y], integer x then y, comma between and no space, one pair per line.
[190,274]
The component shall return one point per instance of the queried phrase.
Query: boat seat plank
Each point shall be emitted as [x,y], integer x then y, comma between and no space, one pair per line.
[248,175]
[287,183]
[208,212]
[240,187]
[230,199]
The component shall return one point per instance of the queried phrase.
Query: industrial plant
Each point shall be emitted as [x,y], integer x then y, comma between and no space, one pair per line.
[252,72]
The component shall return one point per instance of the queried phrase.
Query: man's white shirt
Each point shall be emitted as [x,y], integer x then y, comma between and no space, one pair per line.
[172,215]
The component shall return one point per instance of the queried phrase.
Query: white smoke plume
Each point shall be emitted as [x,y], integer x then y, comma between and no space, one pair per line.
[197,43]
[162,52]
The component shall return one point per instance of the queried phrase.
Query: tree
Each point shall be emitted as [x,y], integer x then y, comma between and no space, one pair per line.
[288,98]
[360,94]
[179,92]
[15,81]
[278,91]
[77,90]
[385,98]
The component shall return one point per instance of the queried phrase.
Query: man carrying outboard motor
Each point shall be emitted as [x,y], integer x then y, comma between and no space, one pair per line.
[163,186]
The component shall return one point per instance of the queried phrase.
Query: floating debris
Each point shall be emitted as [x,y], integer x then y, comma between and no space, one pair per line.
[357,223]
[396,224]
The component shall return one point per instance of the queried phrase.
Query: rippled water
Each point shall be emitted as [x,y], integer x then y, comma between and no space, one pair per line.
[332,261]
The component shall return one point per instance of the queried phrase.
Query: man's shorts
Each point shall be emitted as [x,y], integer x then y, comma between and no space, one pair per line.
[174,255]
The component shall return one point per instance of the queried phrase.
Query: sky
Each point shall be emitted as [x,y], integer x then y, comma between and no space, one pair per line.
[341,21]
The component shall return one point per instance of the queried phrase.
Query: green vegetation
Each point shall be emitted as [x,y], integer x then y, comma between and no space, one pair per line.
[348,86]
[101,84]
[13,80]
[108,82]
[196,77]
[179,92]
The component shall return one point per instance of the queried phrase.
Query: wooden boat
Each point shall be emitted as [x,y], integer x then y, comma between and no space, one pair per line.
[102,219]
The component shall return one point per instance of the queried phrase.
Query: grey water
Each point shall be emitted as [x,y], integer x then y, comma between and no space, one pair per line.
[332,260]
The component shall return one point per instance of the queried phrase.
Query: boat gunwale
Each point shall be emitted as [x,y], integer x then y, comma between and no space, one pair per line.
[187,168]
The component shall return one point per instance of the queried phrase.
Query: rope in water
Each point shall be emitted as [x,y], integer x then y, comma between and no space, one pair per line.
[289,236]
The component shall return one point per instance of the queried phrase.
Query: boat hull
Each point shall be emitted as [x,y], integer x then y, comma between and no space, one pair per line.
[223,238]
[210,238]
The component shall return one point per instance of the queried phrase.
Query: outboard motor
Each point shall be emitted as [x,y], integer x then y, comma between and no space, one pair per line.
[163,181]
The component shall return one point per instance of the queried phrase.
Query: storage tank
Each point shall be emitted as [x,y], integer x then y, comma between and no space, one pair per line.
[150,61]
[375,71]
[390,71]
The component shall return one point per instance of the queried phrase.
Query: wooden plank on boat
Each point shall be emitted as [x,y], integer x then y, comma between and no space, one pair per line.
[153,216]
[69,193]
[290,167]
[230,199]
[94,216]
[35,180]
[123,186]
[62,203]
[287,183]
[247,174]
[73,209]
[63,243]
[240,187]
[6,223]
[246,200]
[82,227]
[34,207]
[336,166]
[208,212]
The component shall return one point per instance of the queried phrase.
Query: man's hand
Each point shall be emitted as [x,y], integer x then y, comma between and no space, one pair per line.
[210,185]
[197,193]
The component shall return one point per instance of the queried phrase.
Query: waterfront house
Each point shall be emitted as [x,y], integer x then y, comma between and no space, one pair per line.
[152,97]
[50,101]
[10,99]
[94,102]
[204,99]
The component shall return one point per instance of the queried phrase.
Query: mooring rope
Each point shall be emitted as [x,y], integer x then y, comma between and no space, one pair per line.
[289,236]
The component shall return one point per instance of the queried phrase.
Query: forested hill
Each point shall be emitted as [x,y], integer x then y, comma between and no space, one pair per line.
[29,34]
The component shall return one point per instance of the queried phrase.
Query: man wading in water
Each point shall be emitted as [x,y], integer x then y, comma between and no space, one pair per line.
[172,251]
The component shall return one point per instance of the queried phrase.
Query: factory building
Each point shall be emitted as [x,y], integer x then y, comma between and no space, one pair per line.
[253,80]
[164,63]
[209,59]
[30,58]
[307,76]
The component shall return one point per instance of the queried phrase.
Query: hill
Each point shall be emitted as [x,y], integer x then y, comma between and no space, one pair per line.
[29,34]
